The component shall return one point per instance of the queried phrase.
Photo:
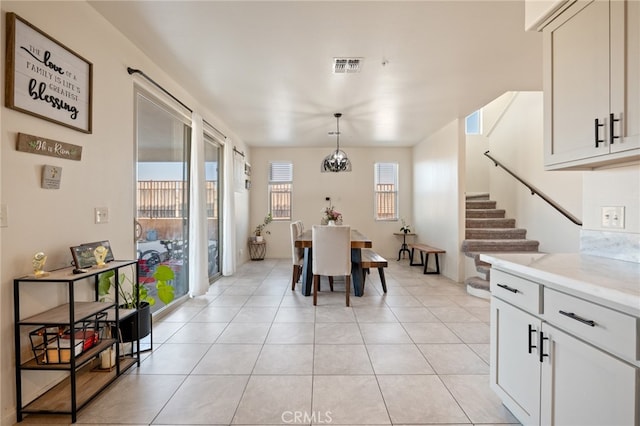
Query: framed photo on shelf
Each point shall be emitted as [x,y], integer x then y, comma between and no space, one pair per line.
[83,256]
[46,79]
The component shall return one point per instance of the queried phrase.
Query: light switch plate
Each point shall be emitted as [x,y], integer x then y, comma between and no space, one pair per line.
[101,214]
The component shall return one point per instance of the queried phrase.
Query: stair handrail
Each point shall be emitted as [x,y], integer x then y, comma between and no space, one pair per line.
[536,191]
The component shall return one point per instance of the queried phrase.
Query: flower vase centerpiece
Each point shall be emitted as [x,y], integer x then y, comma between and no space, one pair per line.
[331,216]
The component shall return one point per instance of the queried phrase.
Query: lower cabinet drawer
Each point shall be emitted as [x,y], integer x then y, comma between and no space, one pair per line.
[610,330]
[522,293]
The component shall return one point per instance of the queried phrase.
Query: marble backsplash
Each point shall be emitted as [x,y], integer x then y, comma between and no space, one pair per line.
[613,245]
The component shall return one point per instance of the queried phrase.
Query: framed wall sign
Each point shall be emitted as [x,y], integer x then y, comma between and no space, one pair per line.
[83,256]
[45,78]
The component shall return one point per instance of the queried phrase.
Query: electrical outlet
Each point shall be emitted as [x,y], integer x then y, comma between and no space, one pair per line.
[4,216]
[101,214]
[612,217]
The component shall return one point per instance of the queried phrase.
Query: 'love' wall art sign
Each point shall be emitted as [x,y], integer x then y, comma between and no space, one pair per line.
[46,79]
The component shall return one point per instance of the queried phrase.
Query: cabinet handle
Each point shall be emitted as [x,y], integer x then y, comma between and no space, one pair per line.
[506,287]
[541,344]
[612,135]
[531,345]
[577,318]
[597,132]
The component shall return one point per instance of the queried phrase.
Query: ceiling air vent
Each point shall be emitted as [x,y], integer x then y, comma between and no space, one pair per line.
[347,65]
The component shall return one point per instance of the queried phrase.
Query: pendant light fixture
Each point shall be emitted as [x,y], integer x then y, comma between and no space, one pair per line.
[337,161]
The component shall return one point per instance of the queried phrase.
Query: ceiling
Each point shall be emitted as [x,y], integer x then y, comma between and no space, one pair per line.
[265,67]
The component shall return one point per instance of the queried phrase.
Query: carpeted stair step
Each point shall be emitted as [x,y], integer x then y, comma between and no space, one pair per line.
[484,213]
[477,283]
[490,223]
[478,196]
[483,246]
[480,204]
[495,233]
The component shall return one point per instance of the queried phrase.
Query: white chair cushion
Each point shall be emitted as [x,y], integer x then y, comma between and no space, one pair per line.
[331,247]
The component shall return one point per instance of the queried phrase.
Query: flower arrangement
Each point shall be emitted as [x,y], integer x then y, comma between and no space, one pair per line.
[260,229]
[405,228]
[330,213]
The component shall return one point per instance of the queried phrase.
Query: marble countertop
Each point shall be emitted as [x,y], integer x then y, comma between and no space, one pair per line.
[613,283]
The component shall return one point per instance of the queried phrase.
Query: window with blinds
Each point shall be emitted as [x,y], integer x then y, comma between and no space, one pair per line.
[280,188]
[386,191]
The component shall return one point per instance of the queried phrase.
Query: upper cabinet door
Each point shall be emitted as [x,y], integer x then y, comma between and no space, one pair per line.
[625,75]
[576,83]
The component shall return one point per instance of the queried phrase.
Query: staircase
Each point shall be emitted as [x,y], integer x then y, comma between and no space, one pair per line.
[487,230]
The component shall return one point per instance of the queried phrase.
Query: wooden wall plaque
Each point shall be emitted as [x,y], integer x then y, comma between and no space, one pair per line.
[44,146]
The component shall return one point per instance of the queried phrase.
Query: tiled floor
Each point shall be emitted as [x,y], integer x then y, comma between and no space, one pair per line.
[252,352]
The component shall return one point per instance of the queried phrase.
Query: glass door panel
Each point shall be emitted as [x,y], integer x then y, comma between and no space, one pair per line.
[162,195]
[212,153]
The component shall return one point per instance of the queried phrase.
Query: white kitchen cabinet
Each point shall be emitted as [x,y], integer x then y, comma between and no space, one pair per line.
[557,359]
[583,386]
[591,89]
[514,363]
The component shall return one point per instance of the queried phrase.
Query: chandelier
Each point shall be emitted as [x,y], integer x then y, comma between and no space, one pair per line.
[337,161]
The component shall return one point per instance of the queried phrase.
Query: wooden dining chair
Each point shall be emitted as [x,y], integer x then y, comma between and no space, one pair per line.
[297,254]
[331,256]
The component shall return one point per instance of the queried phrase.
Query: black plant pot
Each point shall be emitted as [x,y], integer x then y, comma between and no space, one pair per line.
[129,327]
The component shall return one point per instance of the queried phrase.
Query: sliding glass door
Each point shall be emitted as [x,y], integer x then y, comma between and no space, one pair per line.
[163,139]
[212,153]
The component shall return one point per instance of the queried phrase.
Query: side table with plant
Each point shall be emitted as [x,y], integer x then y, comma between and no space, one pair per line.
[257,244]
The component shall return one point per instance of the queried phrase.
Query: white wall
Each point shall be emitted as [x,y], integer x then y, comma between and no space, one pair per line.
[516,141]
[351,194]
[53,220]
[438,175]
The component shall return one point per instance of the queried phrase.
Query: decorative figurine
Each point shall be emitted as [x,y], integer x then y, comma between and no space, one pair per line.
[39,259]
[100,254]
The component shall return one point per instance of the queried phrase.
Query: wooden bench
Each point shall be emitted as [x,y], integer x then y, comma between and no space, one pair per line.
[371,259]
[425,250]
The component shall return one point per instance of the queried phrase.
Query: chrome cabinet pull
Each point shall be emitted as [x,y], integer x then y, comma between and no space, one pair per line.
[506,287]
[577,318]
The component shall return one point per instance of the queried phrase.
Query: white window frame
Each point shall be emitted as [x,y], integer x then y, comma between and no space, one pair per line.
[385,177]
[280,176]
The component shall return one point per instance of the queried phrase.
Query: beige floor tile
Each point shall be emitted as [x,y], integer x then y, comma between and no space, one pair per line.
[182,314]
[398,359]
[397,301]
[264,301]
[334,314]
[454,359]
[224,358]
[216,314]
[194,332]
[419,399]
[287,332]
[285,359]
[229,301]
[349,399]
[430,332]
[173,358]
[273,399]
[375,314]
[477,400]
[482,350]
[204,400]
[381,333]
[453,314]
[341,360]
[138,398]
[244,333]
[434,301]
[162,331]
[477,332]
[336,333]
[414,314]
[255,314]
[244,290]
[295,315]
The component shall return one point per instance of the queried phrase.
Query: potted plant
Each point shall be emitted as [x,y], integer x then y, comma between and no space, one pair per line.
[405,228]
[260,229]
[163,275]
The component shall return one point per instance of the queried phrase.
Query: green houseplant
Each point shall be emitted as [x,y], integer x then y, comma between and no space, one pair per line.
[128,329]
[260,229]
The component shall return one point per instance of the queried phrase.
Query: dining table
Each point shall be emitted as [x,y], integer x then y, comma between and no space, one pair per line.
[358,242]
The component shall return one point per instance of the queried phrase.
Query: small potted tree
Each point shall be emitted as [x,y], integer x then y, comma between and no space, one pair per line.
[257,245]
[260,229]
